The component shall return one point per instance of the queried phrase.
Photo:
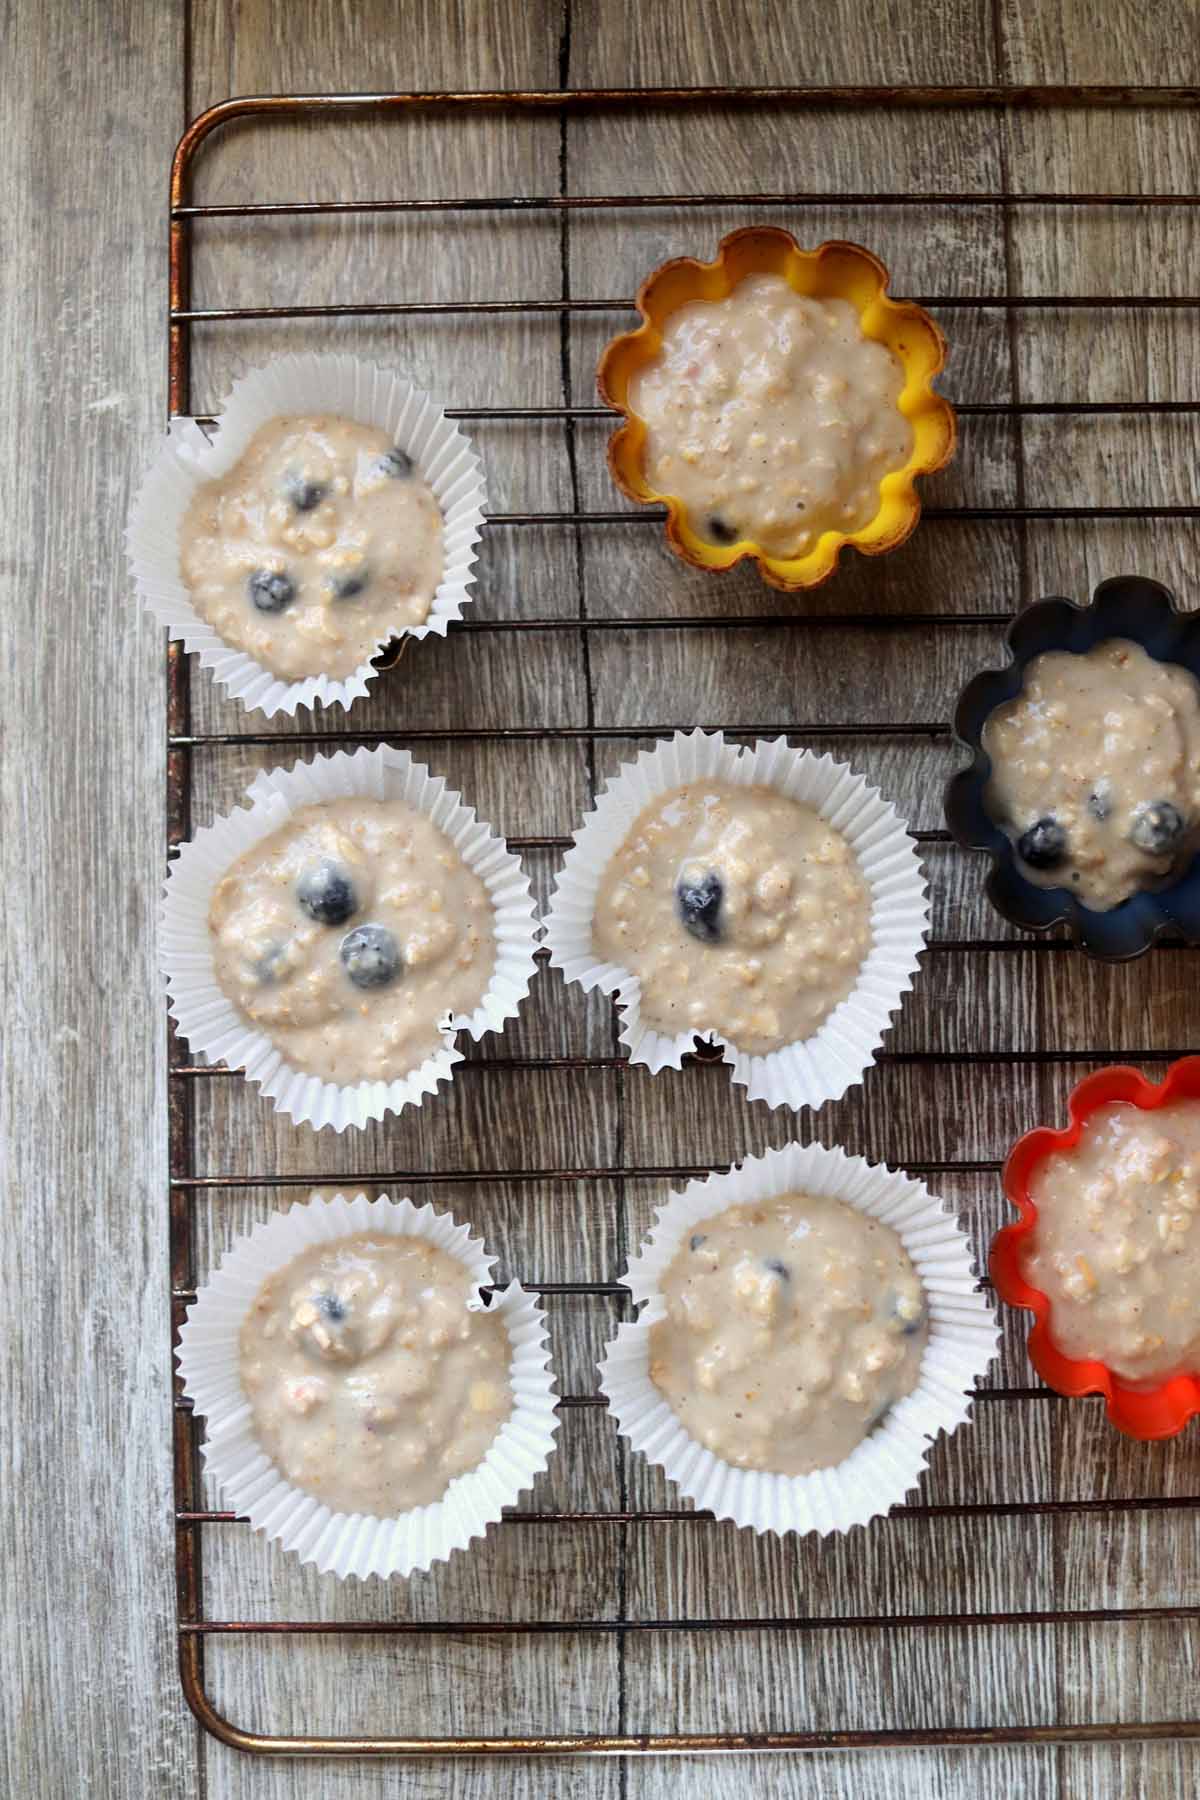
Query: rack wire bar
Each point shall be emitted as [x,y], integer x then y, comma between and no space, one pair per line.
[186,1179]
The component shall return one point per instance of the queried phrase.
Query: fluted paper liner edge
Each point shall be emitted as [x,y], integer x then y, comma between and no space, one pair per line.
[296,384]
[882,1470]
[358,1544]
[816,1069]
[210,1022]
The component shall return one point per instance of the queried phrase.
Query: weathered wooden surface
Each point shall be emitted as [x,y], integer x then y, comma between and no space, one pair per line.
[93,704]
[88,1696]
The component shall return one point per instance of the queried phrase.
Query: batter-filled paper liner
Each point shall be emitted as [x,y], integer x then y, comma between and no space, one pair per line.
[291,385]
[212,1024]
[887,1465]
[815,1069]
[360,1544]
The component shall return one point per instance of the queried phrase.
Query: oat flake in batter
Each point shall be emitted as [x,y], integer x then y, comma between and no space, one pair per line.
[739,910]
[771,416]
[1096,770]
[1116,1247]
[348,934]
[318,544]
[792,1326]
[370,1383]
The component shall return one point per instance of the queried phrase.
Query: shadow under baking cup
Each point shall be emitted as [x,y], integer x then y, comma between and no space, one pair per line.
[1127,606]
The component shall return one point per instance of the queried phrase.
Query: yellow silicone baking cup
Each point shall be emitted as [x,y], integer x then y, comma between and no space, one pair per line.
[833,270]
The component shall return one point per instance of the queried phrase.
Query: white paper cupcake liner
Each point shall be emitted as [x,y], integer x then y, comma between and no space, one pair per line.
[294,384]
[360,1544]
[819,1068]
[887,1465]
[211,1023]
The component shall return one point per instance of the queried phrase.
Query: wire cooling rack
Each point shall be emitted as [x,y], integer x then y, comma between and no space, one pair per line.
[186,1183]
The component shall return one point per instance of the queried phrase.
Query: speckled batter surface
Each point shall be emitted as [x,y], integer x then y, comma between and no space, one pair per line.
[349,934]
[792,1326]
[739,910]
[371,1382]
[319,543]
[771,416]
[1117,1241]
[1096,770]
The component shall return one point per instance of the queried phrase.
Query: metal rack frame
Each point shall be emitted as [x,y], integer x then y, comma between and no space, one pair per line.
[191,1517]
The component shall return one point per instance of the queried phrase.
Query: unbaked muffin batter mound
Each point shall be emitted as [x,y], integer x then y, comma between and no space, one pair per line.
[349,934]
[319,543]
[1116,1246]
[370,1383]
[771,416]
[740,912]
[792,1326]
[1096,770]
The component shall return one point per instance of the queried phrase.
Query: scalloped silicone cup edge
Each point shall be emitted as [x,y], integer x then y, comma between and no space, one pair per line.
[1148,1414]
[778,572]
[963,792]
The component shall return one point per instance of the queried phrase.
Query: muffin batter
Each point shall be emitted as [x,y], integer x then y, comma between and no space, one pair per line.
[318,544]
[1096,770]
[792,1326]
[1117,1245]
[348,937]
[370,1383]
[740,912]
[771,417]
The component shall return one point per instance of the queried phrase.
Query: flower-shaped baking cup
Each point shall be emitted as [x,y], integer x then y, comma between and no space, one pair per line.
[834,270]
[1140,1410]
[1127,606]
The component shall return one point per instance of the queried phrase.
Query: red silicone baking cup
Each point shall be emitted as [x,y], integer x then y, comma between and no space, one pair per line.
[1142,1412]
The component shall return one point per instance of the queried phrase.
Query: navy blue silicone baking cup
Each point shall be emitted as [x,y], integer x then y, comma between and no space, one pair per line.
[1128,606]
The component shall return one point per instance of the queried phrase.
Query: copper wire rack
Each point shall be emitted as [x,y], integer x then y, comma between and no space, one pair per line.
[192,1519]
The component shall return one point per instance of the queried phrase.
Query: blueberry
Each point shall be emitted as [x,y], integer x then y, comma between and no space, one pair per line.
[909,1327]
[370,956]
[773,1266]
[1157,828]
[721,531]
[1044,845]
[695,1241]
[348,582]
[271,965]
[326,893]
[397,463]
[303,494]
[332,1307]
[1100,801]
[270,591]
[698,904]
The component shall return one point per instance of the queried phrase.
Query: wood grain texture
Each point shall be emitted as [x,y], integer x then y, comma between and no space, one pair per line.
[90,1697]
[801,680]
[94,712]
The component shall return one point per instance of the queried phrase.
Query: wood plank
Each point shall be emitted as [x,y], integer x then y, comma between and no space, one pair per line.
[86,1634]
[934,1774]
[802,680]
